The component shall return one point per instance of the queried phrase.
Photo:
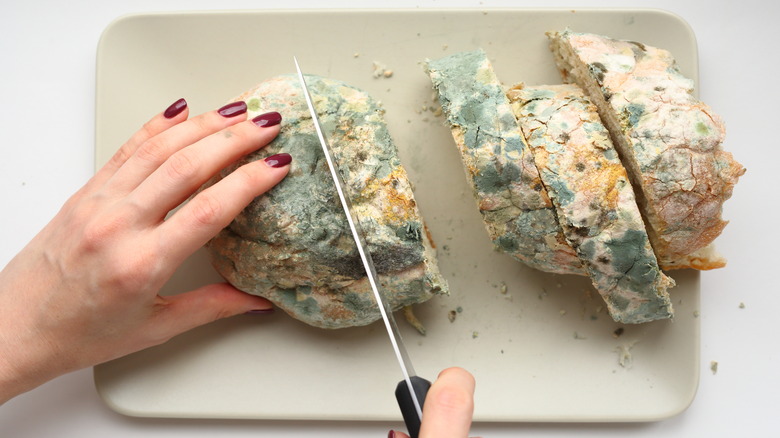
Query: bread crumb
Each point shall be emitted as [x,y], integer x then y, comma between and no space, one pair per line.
[503,288]
[741,305]
[618,331]
[451,315]
[714,367]
[562,312]
[413,321]
[474,335]
[381,70]
[445,47]
[356,55]
[625,358]
[695,313]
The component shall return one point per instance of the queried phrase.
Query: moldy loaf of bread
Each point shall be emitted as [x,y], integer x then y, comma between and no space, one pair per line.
[594,200]
[517,212]
[293,245]
[668,140]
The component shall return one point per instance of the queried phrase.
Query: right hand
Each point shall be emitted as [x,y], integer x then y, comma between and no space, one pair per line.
[448,406]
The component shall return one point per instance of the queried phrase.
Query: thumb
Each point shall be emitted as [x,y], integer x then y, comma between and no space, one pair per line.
[449,405]
[206,304]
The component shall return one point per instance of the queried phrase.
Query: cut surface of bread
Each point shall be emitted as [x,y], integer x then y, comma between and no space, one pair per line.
[517,212]
[594,200]
[293,244]
[668,140]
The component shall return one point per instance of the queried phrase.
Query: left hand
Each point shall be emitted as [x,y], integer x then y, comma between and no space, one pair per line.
[85,289]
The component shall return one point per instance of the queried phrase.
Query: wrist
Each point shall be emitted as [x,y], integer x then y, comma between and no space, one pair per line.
[25,354]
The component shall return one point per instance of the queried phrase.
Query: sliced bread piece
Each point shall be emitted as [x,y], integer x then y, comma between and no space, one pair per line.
[514,204]
[293,244]
[668,140]
[594,200]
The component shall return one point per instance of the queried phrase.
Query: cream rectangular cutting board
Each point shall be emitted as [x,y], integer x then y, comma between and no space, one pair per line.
[540,345]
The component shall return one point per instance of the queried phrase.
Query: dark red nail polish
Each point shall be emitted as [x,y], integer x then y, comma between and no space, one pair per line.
[278,160]
[268,119]
[260,311]
[391,434]
[175,109]
[232,109]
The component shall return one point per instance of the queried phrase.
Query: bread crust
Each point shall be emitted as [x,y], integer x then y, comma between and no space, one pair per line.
[669,141]
[293,244]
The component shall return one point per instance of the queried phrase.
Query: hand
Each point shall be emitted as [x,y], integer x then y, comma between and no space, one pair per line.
[448,406]
[85,289]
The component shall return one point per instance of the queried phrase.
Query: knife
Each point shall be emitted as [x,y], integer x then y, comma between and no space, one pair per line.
[411,391]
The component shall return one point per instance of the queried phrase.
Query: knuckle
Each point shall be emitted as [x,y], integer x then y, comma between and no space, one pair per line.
[205,210]
[130,274]
[136,269]
[101,231]
[182,165]
[248,175]
[154,150]
[121,156]
[148,130]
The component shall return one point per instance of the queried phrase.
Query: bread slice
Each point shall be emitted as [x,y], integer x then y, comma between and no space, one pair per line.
[668,140]
[517,212]
[594,200]
[293,244]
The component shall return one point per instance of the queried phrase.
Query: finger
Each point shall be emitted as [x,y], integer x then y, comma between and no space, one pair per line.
[211,210]
[183,312]
[176,113]
[153,152]
[186,170]
[449,405]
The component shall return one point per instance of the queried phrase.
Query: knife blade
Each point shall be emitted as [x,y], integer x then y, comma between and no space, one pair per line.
[411,391]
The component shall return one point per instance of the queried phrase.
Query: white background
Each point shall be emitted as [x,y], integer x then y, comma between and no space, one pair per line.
[47,60]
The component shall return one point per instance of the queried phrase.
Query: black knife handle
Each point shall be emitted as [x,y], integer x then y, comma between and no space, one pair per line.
[406,403]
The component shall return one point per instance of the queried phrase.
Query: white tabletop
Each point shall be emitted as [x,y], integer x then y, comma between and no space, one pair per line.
[46,153]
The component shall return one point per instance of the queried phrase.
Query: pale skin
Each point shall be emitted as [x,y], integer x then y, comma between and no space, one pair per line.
[85,290]
[448,406]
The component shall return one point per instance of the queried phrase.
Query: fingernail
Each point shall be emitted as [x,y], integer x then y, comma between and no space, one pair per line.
[278,160]
[260,311]
[268,119]
[391,434]
[232,109]
[175,109]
